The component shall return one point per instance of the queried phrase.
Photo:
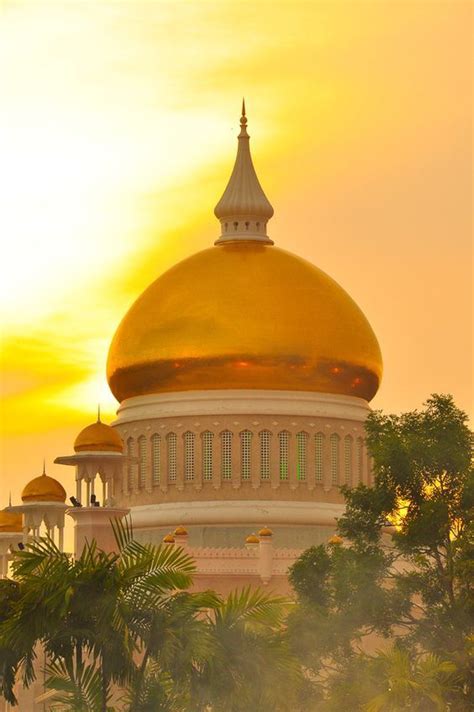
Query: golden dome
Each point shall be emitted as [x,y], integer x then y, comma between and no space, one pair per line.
[180,531]
[98,437]
[10,522]
[252,539]
[265,532]
[244,315]
[168,539]
[336,540]
[44,489]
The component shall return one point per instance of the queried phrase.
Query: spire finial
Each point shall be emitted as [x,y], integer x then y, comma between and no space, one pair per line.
[98,413]
[44,466]
[244,209]
[10,498]
[243,121]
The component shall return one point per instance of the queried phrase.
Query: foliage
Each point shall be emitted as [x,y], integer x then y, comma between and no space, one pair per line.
[123,630]
[404,571]
[251,666]
[120,631]
[86,613]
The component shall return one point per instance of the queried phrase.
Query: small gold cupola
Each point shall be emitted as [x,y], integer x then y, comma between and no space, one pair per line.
[244,209]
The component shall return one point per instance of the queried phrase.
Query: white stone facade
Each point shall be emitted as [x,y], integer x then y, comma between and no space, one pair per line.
[239,446]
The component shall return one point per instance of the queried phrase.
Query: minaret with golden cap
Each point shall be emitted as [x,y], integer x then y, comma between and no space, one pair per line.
[43,508]
[244,209]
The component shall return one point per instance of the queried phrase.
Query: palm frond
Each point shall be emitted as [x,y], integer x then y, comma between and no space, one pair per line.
[78,690]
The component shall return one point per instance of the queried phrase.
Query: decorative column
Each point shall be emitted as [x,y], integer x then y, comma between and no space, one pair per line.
[61,537]
[265,554]
[292,455]
[180,462]
[198,460]
[255,460]
[88,492]
[327,483]
[163,463]
[355,465]
[236,466]
[310,462]
[134,489]
[217,461]
[149,470]
[274,460]
[78,484]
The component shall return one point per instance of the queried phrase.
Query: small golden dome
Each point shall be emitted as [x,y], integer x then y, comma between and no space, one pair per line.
[252,539]
[180,531]
[265,532]
[168,539]
[335,540]
[10,522]
[218,320]
[98,437]
[44,489]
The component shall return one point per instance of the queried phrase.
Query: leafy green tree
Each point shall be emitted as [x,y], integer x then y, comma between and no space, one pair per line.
[405,569]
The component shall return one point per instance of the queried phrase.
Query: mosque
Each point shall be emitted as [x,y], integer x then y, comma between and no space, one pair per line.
[244,375]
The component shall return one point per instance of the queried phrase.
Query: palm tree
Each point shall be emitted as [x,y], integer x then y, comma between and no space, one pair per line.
[85,612]
[250,666]
[121,629]
[407,683]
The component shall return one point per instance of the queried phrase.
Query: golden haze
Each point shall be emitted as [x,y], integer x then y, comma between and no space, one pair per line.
[118,124]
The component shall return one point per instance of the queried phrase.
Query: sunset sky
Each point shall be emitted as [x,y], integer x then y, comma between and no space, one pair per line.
[118,124]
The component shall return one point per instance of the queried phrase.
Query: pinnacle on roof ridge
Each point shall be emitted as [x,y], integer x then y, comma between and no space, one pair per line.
[243,209]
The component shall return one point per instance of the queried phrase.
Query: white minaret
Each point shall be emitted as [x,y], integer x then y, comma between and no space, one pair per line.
[43,509]
[98,460]
[11,531]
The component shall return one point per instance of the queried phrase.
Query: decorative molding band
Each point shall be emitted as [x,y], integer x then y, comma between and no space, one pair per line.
[236,512]
[241,402]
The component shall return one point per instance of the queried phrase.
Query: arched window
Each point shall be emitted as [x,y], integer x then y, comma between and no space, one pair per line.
[155,459]
[207,460]
[245,450]
[348,459]
[188,455]
[130,465]
[264,454]
[318,456]
[226,455]
[360,458]
[142,463]
[301,455]
[283,442]
[172,447]
[334,441]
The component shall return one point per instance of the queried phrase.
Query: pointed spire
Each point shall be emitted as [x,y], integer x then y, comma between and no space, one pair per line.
[244,209]
[98,413]
[243,122]
[44,466]
[10,498]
